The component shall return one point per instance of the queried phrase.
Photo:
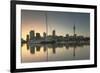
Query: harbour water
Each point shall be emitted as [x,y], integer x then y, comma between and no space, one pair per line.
[54,52]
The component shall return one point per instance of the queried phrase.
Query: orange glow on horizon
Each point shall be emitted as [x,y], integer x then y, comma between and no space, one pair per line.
[37,28]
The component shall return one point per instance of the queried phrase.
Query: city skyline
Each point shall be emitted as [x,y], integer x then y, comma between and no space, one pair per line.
[61,22]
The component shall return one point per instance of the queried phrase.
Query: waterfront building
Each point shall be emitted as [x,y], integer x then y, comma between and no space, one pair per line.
[44,34]
[38,35]
[67,35]
[27,38]
[53,33]
[32,34]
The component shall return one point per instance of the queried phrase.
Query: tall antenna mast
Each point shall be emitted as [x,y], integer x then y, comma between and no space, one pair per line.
[74,28]
[46,32]
[46,24]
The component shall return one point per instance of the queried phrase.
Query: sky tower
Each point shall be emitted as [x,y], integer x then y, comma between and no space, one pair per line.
[74,29]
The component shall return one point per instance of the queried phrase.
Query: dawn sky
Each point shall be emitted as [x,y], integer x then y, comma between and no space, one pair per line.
[62,22]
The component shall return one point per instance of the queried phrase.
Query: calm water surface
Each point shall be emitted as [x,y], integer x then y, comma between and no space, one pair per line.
[54,52]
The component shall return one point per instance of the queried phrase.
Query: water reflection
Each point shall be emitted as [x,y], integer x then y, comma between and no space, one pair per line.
[55,52]
[32,47]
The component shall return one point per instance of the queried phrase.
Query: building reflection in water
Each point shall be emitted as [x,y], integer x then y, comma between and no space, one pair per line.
[37,47]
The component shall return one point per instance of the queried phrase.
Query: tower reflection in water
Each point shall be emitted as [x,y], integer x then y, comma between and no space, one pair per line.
[53,50]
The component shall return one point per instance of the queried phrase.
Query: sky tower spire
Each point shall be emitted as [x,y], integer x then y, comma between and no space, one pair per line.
[74,29]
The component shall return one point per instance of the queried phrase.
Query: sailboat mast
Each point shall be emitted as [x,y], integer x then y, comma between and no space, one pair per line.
[46,32]
[74,28]
[46,24]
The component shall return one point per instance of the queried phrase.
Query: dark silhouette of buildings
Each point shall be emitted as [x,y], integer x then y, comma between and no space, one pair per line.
[22,41]
[67,35]
[38,35]
[53,33]
[31,38]
[27,38]
[44,34]
[32,34]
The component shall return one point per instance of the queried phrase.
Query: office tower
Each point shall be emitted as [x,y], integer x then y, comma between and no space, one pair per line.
[44,34]
[32,34]
[67,35]
[38,35]
[27,38]
[53,33]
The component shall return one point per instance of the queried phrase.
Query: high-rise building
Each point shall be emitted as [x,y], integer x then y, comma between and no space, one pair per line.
[27,38]
[44,34]
[67,35]
[38,35]
[53,33]
[32,34]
